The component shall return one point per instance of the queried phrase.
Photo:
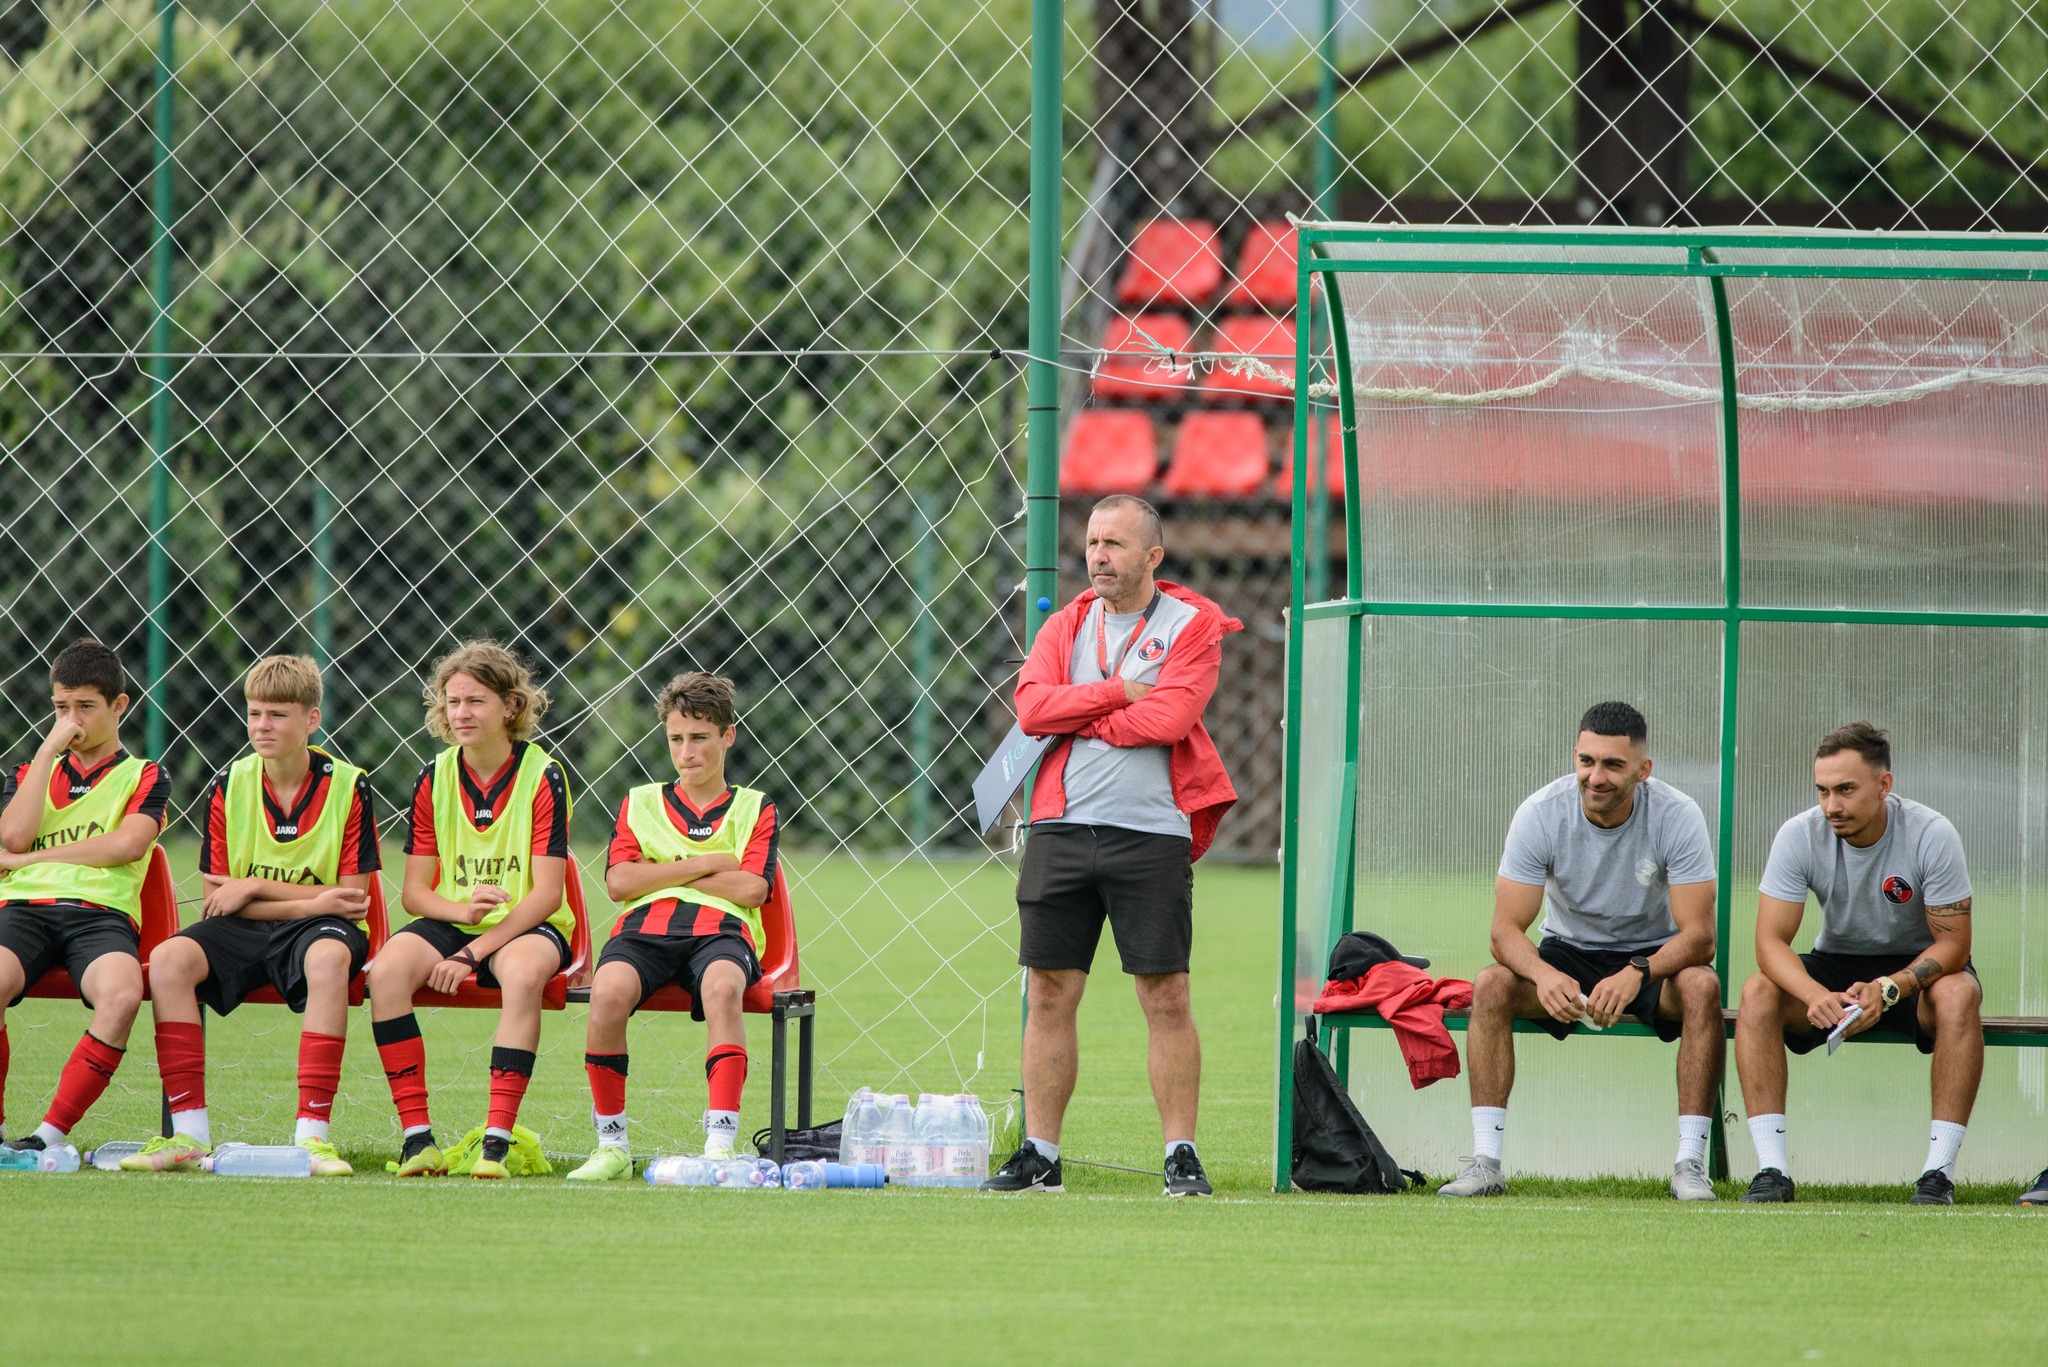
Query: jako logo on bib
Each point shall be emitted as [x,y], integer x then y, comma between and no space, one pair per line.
[1897,890]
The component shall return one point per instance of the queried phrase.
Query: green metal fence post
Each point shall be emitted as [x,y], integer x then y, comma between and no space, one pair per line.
[1315,469]
[162,208]
[323,593]
[924,575]
[1731,666]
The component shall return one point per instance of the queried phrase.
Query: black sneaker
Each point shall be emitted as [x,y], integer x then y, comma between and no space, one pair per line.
[2036,1195]
[1027,1170]
[1184,1175]
[1933,1189]
[1769,1186]
[28,1143]
[495,1148]
[424,1139]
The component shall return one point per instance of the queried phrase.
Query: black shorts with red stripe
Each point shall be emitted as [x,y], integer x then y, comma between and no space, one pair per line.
[670,941]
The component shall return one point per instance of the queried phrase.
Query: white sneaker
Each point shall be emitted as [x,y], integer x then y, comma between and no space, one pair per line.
[717,1145]
[1479,1177]
[1689,1182]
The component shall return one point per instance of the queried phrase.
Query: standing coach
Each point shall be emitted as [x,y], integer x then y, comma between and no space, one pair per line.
[1126,799]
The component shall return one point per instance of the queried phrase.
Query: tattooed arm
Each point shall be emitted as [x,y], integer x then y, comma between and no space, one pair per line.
[1949,952]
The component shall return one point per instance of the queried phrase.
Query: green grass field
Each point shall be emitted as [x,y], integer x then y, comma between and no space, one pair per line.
[193,1268]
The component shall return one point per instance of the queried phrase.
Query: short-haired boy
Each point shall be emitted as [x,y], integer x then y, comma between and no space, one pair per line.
[76,830]
[693,860]
[288,859]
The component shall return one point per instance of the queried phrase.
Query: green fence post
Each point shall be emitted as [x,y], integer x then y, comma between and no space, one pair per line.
[162,207]
[924,578]
[323,588]
[1731,666]
[1314,469]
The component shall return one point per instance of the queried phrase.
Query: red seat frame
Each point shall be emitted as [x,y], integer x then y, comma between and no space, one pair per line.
[555,995]
[159,922]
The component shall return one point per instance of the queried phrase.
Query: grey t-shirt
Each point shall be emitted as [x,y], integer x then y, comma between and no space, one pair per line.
[1608,889]
[1873,900]
[1126,786]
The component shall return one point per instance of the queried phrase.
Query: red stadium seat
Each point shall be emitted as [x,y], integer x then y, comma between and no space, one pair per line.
[1219,455]
[1252,334]
[159,923]
[555,995]
[1265,268]
[1333,463]
[376,925]
[1110,451]
[1175,263]
[1139,375]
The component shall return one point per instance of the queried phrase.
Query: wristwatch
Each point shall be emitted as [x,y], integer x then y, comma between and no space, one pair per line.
[1642,962]
[1888,992]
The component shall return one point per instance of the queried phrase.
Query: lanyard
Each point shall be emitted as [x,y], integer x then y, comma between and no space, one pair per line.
[1102,636]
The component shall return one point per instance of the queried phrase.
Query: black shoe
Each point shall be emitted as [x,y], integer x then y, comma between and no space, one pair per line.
[1769,1186]
[1184,1175]
[1933,1189]
[2036,1195]
[413,1144]
[1027,1170]
[28,1143]
[495,1148]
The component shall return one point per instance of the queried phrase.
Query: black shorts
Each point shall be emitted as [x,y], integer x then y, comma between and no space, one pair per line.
[1840,972]
[1074,876]
[1590,966]
[681,959]
[243,955]
[45,936]
[446,937]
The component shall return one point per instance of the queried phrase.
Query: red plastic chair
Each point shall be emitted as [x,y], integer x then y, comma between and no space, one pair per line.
[376,925]
[1252,334]
[555,995]
[1175,263]
[1219,455]
[1333,463]
[1110,451]
[1136,377]
[1265,268]
[159,923]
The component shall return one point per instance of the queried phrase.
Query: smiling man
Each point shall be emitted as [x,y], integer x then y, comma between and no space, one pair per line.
[1620,866]
[1894,896]
[1125,801]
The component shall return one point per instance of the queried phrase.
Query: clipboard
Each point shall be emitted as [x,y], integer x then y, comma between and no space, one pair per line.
[1004,773]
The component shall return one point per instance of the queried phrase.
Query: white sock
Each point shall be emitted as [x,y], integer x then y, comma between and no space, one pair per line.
[611,1131]
[194,1123]
[51,1135]
[309,1128]
[1489,1128]
[1049,1150]
[1692,1138]
[722,1123]
[1768,1133]
[1173,1144]
[1943,1144]
[412,1130]
[495,1132]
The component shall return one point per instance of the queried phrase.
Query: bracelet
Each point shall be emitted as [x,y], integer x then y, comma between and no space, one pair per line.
[465,956]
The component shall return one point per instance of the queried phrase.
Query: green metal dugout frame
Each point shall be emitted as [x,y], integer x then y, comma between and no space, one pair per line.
[1447,251]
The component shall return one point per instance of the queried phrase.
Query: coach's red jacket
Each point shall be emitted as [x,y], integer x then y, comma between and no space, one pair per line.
[1171,714]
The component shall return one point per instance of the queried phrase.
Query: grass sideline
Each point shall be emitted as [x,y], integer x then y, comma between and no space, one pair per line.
[214,1270]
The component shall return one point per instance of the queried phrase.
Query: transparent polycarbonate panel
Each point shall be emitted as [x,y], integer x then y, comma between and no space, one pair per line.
[1967,711]
[1536,439]
[1320,727]
[1892,450]
[1462,719]
[1903,257]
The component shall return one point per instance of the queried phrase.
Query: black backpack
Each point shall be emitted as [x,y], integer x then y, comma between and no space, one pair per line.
[817,1145]
[1334,1149]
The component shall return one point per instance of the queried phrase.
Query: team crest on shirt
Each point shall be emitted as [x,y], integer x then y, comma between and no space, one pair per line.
[1647,872]
[1151,650]
[1897,891]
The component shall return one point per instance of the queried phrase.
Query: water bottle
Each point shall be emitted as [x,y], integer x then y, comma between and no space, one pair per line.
[745,1173]
[928,1132]
[805,1176]
[858,1175]
[689,1170]
[259,1160]
[107,1157]
[966,1163]
[860,1133]
[899,1139]
[56,1158]
[849,1124]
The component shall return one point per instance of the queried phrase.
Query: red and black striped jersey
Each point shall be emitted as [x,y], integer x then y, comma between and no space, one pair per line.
[358,838]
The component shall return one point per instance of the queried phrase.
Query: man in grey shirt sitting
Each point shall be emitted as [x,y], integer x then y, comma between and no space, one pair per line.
[1620,865]
[1894,896]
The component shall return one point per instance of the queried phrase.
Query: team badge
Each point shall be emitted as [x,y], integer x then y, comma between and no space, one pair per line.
[1151,650]
[1897,890]
[1647,872]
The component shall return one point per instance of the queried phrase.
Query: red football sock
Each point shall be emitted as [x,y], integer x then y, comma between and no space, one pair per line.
[319,1074]
[511,1070]
[3,1075]
[404,1056]
[725,1069]
[86,1074]
[181,1059]
[607,1082]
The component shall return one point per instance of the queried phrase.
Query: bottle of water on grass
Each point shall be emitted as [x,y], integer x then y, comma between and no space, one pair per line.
[259,1160]
[899,1139]
[107,1157]
[687,1170]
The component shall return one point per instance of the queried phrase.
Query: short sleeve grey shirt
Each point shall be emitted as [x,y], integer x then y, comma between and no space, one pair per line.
[1872,900]
[1125,786]
[1608,889]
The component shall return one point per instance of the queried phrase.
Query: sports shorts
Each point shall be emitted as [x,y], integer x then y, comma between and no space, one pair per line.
[1591,966]
[244,955]
[444,936]
[681,959]
[1840,972]
[1075,877]
[47,935]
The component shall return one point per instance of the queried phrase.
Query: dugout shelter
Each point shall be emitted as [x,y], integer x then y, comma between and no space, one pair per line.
[1756,482]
